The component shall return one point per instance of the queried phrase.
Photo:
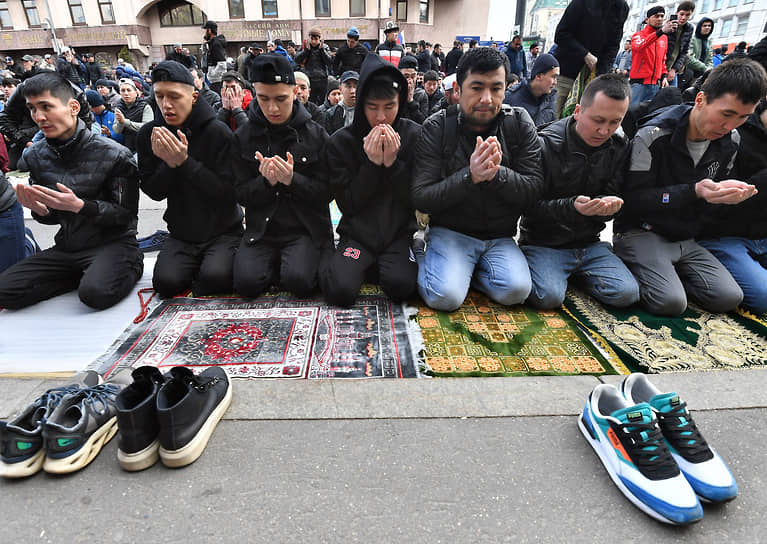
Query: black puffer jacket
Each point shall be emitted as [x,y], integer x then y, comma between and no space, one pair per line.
[442,185]
[659,187]
[99,171]
[685,35]
[15,121]
[201,201]
[571,168]
[301,207]
[316,61]
[746,219]
[541,108]
[216,51]
[374,200]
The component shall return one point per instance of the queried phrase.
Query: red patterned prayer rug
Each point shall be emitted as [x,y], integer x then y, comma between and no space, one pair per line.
[272,336]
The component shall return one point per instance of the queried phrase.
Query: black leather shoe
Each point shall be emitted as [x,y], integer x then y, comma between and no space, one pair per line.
[188,408]
[138,446]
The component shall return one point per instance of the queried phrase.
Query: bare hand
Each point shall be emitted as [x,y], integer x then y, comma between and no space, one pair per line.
[276,169]
[105,131]
[63,199]
[668,27]
[671,75]
[166,147]
[391,145]
[604,207]
[236,97]
[119,117]
[485,161]
[729,191]
[590,60]
[372,145]
[28,199]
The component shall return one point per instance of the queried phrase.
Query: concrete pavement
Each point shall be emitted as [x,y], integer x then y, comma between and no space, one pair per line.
[449,460]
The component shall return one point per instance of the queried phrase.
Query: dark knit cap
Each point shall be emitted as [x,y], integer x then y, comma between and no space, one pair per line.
[102,83]
[543,64]
[655,9]
[170,70]
[94,98]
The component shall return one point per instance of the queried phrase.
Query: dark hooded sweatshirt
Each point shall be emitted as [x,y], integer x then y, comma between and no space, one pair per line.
[374,200]
[280,212]
[201,201]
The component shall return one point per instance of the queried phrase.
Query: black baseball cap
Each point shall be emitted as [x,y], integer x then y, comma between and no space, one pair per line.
[170,70]
[272,68]
[211,25]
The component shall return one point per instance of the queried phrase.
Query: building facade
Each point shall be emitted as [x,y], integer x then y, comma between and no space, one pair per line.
[148,28]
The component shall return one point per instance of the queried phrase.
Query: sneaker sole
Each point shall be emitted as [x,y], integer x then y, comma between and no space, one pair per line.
[133,462]
[192,451]
[24,468]
[595,445]
[84,455]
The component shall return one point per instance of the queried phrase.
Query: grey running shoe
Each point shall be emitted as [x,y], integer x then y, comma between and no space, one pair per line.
[21,439]
[79,427]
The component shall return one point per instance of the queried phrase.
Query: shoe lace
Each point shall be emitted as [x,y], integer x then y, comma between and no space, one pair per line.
[682,433]
[103,394]
[644,444]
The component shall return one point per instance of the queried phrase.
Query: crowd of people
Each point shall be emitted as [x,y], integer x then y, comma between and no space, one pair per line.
[435,160]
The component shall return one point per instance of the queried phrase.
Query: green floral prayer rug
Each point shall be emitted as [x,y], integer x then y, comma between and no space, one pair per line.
[483,338]
[695,341]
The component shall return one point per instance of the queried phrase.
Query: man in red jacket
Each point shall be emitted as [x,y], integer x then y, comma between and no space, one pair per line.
[648,56]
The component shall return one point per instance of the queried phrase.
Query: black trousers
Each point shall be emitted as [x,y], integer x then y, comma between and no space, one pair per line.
[292,265]
[103,275]
[319,90]
[205,268]
[344,271]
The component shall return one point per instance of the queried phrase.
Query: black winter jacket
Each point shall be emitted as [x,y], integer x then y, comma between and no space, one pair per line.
[442,184]
[99,171]
[659,188]
[572,168]
[374,200]
[69,71]
[94,73]
[316,61]
[746,219]
[540,109]
[201,201]
[7,194]
[589,26]
[684,46]
[348,58]
[451,60]
[216,51]
[15,121]
[184,60]
[211,97]
[303,205]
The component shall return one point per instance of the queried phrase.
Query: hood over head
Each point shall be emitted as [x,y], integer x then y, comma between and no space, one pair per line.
[700,23]
[374,68]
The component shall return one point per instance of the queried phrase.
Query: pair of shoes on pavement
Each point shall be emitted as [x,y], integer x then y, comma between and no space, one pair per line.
[170,417]
[61,431]
[653,450]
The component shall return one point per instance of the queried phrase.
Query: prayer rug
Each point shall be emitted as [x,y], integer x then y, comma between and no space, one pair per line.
[271,336]
[483,338]
[696,340]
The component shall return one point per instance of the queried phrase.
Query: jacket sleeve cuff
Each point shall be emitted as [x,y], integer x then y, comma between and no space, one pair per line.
[90,208]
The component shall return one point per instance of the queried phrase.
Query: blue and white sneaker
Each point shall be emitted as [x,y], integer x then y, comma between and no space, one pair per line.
[701,465]
[630,445]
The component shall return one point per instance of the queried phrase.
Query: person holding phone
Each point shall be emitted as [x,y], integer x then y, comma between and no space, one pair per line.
[679,42]
[648,56]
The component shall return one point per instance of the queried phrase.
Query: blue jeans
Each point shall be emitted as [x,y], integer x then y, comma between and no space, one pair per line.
[642,93]
[12,242]
[595,268]
[746,260]
[453,261]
